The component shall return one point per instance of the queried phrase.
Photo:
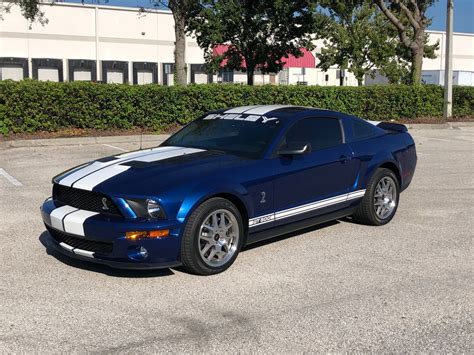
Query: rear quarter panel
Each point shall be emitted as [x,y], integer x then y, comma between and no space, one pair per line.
[396,148]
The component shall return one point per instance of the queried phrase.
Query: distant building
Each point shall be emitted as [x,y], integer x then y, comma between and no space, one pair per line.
[433,69]
[123,45]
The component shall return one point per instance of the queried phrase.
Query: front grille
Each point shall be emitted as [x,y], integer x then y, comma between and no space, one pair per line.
[80,243]
[84,200]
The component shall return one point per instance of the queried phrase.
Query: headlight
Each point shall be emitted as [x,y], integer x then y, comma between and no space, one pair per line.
[154,209]
[147,208]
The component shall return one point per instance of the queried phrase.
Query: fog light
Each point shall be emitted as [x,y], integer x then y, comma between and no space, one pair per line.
[142,252]
[158,234]
[138,253]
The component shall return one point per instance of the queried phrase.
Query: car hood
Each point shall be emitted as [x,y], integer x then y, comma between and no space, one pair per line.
[150,171]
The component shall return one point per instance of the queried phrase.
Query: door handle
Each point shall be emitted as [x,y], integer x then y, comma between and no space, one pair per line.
[343,158]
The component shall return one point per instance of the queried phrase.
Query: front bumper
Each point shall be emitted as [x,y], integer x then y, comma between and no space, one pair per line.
[101,239]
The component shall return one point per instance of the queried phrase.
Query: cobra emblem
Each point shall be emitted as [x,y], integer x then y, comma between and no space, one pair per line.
[105,207]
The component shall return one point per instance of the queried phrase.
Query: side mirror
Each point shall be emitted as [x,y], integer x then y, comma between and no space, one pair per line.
[295,148]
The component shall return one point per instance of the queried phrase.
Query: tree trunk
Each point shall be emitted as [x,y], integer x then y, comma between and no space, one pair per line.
[250,75]
[416,64]
[180,44]
[417,53]
[360,81]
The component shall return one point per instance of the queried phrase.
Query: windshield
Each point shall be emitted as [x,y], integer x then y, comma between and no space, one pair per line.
[239,137]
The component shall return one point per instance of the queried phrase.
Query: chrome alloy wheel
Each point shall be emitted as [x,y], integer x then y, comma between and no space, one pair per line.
[385,198]
[218,237]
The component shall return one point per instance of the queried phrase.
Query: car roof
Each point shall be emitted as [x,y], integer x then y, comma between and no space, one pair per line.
[279,111]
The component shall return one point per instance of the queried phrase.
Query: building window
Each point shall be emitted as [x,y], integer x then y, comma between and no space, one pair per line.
[145,73]
[13,68]
[114,72]
[225,76]
[82,70]
[47,69]
[168,73]
[283,76]
[199,75]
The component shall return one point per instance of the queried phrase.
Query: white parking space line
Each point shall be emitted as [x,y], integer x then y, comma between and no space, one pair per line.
[10,178]
[114,147]
[440,140]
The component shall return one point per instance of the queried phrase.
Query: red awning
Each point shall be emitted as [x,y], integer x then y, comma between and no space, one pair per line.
[307,60]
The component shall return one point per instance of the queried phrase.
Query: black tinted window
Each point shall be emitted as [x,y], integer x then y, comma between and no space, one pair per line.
[240,137]
[361,129]
[319,132]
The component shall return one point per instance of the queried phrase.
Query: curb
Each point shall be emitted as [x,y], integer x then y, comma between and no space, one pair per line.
[52,142]
[447,125]
[147,138]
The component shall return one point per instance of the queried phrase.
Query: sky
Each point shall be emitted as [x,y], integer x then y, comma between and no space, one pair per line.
[463,12]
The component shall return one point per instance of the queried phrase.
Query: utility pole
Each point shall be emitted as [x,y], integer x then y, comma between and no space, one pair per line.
[448,69]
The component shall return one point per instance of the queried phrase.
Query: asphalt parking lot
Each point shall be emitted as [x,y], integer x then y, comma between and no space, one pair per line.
[404,287]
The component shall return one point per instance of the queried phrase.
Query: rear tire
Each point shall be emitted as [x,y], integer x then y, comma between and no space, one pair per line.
[380,202]
[212,237]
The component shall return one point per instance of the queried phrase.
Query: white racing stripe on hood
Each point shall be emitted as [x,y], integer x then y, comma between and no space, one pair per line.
[97,166]
[70,179]
[166,155]
[95,178]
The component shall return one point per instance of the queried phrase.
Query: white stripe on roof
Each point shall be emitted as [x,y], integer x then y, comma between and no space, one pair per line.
[241,109]
[261,110]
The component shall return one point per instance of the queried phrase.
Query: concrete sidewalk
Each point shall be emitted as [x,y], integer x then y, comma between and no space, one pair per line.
[151,138]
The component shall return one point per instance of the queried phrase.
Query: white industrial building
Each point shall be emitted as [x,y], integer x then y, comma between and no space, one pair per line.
[123,45]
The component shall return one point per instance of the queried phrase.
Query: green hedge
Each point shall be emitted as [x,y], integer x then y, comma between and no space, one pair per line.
[30,106]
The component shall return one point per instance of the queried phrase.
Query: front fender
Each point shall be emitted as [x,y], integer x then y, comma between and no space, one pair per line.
[204,191]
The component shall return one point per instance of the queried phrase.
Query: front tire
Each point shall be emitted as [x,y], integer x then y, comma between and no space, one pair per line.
[380,202]
[212,237]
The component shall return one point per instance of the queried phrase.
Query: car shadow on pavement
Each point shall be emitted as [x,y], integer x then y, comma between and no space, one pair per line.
[103,269]
[289,235]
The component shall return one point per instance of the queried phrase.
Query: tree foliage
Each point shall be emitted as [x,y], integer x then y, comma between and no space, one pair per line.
[410,21]
[258,33]
[29,9]
[359,38]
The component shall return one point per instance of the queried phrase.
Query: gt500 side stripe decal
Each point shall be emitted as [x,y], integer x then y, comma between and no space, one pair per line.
[294,211]
[262,219]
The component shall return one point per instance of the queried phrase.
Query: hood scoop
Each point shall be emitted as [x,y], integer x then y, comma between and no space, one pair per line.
[175,160]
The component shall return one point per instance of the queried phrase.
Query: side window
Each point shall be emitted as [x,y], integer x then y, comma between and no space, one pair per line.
[361,130]
[319,132]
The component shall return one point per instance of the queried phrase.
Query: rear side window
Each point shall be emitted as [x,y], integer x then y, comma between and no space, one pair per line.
[319,132]
[361,130]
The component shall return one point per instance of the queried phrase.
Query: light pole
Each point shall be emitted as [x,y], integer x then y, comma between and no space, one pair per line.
[448,70]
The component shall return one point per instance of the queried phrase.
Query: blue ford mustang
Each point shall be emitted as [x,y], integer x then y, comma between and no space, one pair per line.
[227,179]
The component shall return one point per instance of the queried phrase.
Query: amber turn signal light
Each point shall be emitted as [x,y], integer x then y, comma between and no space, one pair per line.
[162,233]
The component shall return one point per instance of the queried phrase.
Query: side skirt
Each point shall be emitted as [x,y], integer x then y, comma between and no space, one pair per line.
[305,223]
